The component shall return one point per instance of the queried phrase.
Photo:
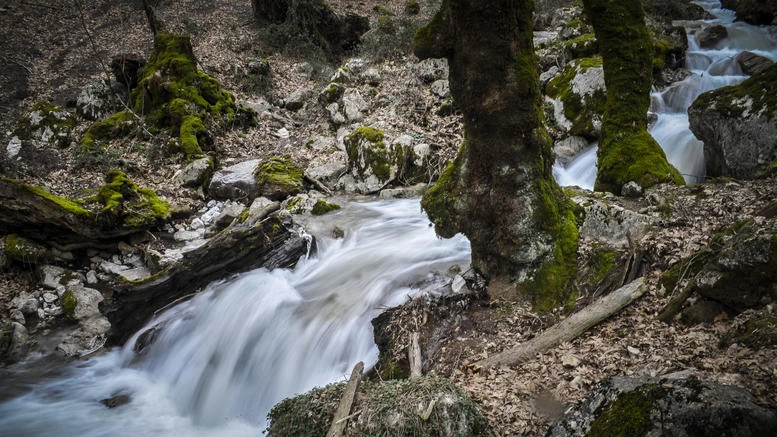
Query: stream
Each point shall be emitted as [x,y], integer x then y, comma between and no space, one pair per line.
[710,68]
[222,359]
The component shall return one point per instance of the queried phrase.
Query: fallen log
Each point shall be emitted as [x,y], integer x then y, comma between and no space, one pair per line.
[343,412]
[569,328]
[237,249]
[414,355]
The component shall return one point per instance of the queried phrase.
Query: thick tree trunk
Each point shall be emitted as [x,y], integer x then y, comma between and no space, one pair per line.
[627,152]
[569,328]
[500,191]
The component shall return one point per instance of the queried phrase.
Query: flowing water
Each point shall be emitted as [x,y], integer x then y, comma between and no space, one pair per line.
[224,358]
[710,68]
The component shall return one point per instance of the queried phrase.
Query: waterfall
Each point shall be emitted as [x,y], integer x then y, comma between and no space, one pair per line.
[221,360]
[710,68]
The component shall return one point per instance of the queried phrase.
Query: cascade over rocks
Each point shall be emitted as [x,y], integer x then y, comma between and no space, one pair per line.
[738,128]
[676,405]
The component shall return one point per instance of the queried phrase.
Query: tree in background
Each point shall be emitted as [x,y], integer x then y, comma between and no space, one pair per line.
[627,152]
[500,191]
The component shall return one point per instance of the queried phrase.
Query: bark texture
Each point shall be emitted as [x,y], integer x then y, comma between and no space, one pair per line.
[499,191]
[627,152]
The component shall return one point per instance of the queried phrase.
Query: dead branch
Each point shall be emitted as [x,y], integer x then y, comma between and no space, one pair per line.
[340,420]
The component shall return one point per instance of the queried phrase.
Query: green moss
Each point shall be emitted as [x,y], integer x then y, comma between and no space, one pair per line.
[48,122]
[279,174]
[191,129]
[440,199]
[757,95]
[66,204]
[26,251]
[333,92]
[604,262]
[755,334]
[127,204]
[629,415]
[583,46]
[373,156]
[243,216]
[412,7]
[580,110]
[69,303]
[322,207]
[117,125]
[428,38]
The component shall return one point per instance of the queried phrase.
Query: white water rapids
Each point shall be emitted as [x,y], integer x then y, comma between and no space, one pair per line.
[224,358]
[710,68]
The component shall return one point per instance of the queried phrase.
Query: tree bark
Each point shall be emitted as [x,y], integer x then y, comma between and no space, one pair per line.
[500,191]
[627,152]
[569,328]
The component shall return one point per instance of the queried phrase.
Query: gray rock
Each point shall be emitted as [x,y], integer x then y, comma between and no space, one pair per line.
[354,105]
[17,316]
[753,63]
[631,189]
[430,70]
[342,75]
[371,76]
[98,101]
[189,235]
[51,276]
[135,274]
[568,148]
[195,173]
[356,65]
[229,212]
[26,303]
[236,182]
[50,297]
[89,337]
[670,406]
[297,99]
[91,277]
[335,116]
[87,301]
[711,35]
[548,75]
[738,129]
[614,225]
[112,268]
[13,342]
[403,192]
[14,147]
[441,88]
[260,208]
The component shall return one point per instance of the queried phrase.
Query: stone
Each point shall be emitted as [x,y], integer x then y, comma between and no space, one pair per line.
[335,116]
[354,105]
[13,342]
[752,63]
[297,99]
[260,208]
[342,75]
[135,274]
[50,297]
[568,148]
[441,88]
[112,267]
[90,336]
[578,98]
[672,405]
[327,168]
[195,174]
[186,235]
[631,189]
[702,311]
[410,192]
[91,277]
[372,77]
[356,65]
[570,361]
[46,125]
[116,400]
[51,276]
[614,225]
[17,316]
[430,70]
[14,147]
[98,101]
[229,212]
[236,182]
[26,303]
[86,302]
[711,35]
[459,285]
[737,125]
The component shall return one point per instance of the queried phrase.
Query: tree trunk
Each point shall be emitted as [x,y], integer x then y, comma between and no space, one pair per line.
[499,191]
[627,152]
[569,328]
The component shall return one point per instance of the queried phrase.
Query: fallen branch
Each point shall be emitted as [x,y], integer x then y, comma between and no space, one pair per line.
[414,355]
[568,329]
[340,420]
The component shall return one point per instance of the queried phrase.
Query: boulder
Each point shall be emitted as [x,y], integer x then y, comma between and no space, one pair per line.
[236,181]
[80,302]
[195,174]
[738,125]
[430,70]
[354,105]
[89,337]
[45,125]
[675,405]
[711,35]
[99,100]
[297,99]
[568,148]
[578,98]
[752,63]
[758,12]
[613,225]
[278,178]
[327,168]
[13,342]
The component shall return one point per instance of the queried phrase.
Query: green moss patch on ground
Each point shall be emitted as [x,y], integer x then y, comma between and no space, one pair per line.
[124,203]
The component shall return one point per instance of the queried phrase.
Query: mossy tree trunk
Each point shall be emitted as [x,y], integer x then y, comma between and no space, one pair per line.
[499,191]
[627,152]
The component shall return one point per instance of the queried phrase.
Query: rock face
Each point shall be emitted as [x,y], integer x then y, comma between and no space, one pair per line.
[738,125]
[670,406]
[752,63]
[709,36]
[759,12]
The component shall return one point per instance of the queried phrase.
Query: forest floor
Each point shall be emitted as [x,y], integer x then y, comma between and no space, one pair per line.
[51,50]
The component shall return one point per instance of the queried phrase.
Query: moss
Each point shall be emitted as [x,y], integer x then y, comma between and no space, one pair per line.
[412,7]
[129,205]
[604,262]
[579,110]
[69,303]
[755,334]
[243,216]
[373,156]
[333,92]
[629,415]
[64,203]
[279,174]
[322,207]
[583,46]
[440,199]
[428,39]
[756,95]
[47,122]
[117,125]
[26,251]
[191,129]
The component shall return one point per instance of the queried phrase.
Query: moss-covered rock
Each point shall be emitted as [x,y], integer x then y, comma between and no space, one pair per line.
[46,124]
[389,408]
[117,125]
[756,333]
[278,178]
[370,159]
[69,303]
[126,204]
[580,90]
[322,207]
[26,251]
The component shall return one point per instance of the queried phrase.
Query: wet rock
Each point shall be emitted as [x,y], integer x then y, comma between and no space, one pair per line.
[13,342]
[403,192]
[116,400]
[671,405]
[737,125]
[236,182]
[752,63]
[754,12]
[711,35]
[195,173]
[568,148]
[81,303]
[135,274]
[89,337]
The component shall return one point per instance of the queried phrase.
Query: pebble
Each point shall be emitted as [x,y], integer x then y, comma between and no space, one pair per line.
[50,297]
